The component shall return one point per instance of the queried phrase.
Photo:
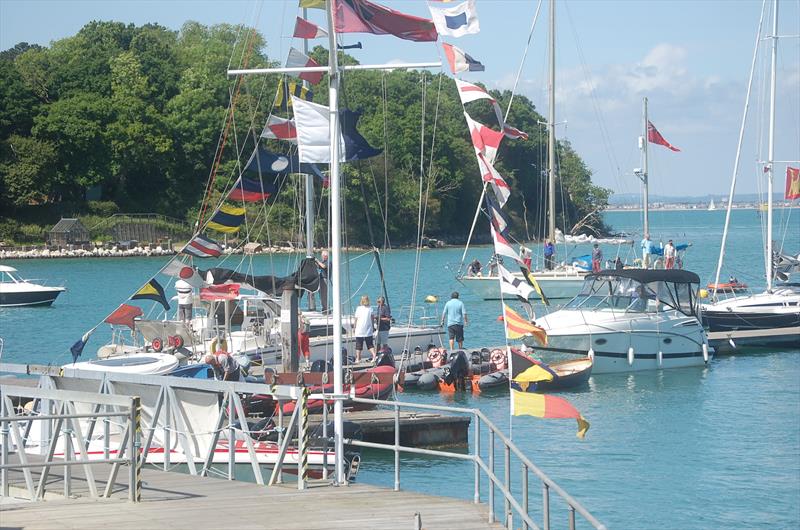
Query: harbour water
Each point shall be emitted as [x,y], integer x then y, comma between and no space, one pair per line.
[712,447]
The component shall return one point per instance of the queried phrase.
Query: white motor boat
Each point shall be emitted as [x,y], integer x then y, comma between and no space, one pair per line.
[16,292]
[630,320]
[134,363]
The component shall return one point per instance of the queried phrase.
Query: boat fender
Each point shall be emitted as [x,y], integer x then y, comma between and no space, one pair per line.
[428,381]
[591,354]
[733,344]
[660,357]
[630,356]
[705,353]
[157,344]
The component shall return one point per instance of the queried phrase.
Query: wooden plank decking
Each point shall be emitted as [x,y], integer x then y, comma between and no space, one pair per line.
[176,501]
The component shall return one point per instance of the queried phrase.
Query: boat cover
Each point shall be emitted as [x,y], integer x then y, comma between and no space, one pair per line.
[306,277]
[649,275]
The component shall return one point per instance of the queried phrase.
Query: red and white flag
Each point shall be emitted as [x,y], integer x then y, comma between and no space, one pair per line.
[499,185]
[654,137]
[792,183]
[502,246]
[303,29]
[485,140]
[461,61]
[469,93]
[280,129]
[299,59]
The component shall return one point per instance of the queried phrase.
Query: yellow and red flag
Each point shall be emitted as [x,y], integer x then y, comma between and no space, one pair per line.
[546,406]
[792,183]
[517,326]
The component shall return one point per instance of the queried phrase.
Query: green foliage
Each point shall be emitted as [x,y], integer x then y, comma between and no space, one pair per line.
[140,111]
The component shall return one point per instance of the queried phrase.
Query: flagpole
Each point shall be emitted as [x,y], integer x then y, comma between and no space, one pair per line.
[645,176]
[551,126]
[771,141]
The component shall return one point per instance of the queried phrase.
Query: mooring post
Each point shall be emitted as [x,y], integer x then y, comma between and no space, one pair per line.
[289,359]
[4,450]
[302,440]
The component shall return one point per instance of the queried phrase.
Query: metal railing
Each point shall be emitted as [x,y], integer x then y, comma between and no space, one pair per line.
[486,466]
[60,422]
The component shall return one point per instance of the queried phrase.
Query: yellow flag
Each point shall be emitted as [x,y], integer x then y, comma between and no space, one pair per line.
[518,327]
[312,4]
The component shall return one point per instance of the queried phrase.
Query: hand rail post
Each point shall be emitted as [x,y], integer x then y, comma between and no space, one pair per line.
[524,494]
[396,448]
[279,478]
[4,452]
[325,439]
[302,440]
[106,435]
[507,477]
[546,506]
[477,493]
[232,442]
[491,482]
[134,430]
[167,430]
[571,517]
[68,454]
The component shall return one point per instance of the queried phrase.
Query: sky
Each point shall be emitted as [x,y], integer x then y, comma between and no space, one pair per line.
[690,58]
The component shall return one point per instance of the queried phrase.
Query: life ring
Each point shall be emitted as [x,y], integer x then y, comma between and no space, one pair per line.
[177,341]
[499,358]
[157,344]
[217,344]
[436,357]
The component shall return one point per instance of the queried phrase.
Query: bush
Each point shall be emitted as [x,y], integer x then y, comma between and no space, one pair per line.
[102,208]
[8,230]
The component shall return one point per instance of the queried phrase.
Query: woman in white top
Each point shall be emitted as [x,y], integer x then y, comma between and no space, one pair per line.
[364,329]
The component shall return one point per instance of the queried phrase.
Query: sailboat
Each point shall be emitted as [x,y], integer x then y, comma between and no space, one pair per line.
[711,206]
[772,317]
[556,280]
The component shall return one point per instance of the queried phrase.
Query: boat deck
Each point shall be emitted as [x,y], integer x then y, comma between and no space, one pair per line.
[176,500]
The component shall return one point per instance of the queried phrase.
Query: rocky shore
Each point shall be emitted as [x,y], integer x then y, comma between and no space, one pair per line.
[122,252]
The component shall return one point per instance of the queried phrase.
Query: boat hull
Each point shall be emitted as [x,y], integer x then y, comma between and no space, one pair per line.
[39,297]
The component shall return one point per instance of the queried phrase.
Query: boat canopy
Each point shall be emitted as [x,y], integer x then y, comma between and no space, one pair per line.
[6,268]
[648,275]
[306,277]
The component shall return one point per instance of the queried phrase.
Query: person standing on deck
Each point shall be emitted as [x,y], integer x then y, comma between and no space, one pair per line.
[549,255]
[185,300]
[454,317]
[597,258]
[323,266]
[364,329]
[647,249]
[384,318]
[669,255]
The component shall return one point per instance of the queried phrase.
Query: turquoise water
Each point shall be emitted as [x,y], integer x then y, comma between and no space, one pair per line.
[713,447]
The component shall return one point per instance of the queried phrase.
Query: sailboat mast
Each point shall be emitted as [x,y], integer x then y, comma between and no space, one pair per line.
[309,193]
[551,138]
[336,243]
[771,145]
[645,174]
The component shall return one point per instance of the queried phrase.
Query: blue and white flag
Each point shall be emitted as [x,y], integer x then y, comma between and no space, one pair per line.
[460,61]
[456,21]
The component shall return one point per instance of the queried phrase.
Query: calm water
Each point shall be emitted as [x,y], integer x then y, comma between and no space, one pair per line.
[691,449]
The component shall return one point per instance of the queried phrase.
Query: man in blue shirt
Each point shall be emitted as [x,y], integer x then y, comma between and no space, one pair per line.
[454,317]
[647,249]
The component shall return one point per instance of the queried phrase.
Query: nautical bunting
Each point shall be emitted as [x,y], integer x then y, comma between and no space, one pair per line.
[792,183]
[485,140]
[489,174]
[460,61]
[203,247]
[124,315]
[469,93]
[456,21]
[362,16]
[303,29]
[546,406]
[77,349]
[356,146]
[248,190]
[313,132]
[298,59]
[501,245]
[312,4]
[266,162]
[654,137]
[279,128]
[528,275]
[518,326]
[295,89]
[228,219]
[496,215]
[513,285]
[152,290]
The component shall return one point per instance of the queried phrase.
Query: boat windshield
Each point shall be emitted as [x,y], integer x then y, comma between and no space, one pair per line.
[630,295]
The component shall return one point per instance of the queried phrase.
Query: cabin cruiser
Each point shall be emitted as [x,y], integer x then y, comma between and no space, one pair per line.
[16,292]
[630,320]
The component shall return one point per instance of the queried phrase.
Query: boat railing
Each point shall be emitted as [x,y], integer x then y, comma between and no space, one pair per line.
[59,413]
[516,499]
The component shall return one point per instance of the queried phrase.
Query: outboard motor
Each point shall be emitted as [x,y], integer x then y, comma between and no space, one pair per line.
[385,357]
[457,371]
[321,365]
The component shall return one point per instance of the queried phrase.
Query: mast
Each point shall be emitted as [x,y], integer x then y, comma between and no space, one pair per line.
[645,175]
[771,145]
[309,195]
[336,243]
[551,125]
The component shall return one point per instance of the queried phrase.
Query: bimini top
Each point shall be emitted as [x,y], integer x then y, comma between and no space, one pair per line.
[649,275]
[6,268]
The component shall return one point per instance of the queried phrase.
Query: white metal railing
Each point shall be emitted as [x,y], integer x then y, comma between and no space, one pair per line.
[485,466]
[59,414]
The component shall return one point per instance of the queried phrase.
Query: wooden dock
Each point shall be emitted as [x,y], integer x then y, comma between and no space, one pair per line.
[176,500]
